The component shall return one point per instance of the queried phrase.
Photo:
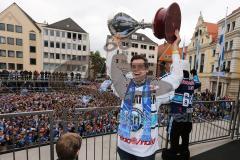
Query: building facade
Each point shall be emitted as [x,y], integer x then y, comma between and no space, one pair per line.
[66,47]
[20,41]
[230,81]
[202,50]
[137,44]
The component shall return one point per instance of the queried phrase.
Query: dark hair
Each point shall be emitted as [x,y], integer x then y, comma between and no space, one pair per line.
[185,74]
[135,57]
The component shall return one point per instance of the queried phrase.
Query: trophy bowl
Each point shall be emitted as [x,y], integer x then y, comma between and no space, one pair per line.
[165,22]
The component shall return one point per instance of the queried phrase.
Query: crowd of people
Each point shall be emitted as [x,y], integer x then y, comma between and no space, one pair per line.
[35,75]
[27,130]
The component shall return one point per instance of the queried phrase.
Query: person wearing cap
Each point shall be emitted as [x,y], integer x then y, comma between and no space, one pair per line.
[180,117]
[68,146]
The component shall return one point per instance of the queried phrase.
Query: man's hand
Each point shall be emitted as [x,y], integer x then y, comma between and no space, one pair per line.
[177,41]
[193,72]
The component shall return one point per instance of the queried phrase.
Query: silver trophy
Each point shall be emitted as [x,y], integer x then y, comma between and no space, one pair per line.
[165,22]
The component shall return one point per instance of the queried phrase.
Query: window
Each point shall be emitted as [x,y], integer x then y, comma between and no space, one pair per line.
[63,34]
[74,57]
[57,33]
[2,40]
[74,46]
[32,49]
[233,25]
[190,62]
[2,27]
[45,31]
[11,66]
[68,45]
[63,45]
[228,27]
[10,41]
[68,57]
[69,35]
[231,45]
[51,32]
[10,27]
[194,63]
[134,45]
[3,65]
[134,36]
[57,45]
[2,53]
[57,56]
[18,29]
[19,54]
[212,69]
[45,43]
[124,44]
[45,55]
[84,48]
[79,58]
[52,44]
[32,36]
[51,55]
[214,52]
[79,37]
[74,36]
[143,46]
[84,58]
[202,63]
[151,48]
[19,66]
[79,47]
[224,66]
[226,46]
[228,66]
[18,42]
[11,53]
[33,61]
[63,56]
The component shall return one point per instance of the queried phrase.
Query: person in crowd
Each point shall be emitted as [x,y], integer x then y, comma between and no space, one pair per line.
[180,121]
[138,131]
[68,146]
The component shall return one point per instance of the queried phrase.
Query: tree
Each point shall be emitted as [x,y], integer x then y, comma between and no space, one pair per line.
[98,64]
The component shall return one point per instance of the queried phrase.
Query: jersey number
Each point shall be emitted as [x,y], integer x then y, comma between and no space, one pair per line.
[187,99]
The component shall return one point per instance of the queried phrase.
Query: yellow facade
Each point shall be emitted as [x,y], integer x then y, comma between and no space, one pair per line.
[206,34]
[16,17]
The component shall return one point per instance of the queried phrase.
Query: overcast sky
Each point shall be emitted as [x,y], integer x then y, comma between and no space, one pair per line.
[92,15]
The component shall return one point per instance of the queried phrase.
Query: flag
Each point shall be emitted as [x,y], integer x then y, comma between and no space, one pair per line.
[183,49]
[221,48]
[197,52]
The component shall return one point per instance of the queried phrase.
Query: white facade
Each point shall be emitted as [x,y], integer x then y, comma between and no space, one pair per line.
[65,51]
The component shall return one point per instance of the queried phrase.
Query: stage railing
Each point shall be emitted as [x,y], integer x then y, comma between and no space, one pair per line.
[212,121]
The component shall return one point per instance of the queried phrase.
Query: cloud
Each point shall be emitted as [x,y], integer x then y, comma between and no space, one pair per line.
[92,15]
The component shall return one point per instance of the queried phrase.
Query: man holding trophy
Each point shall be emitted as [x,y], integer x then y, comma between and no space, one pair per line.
[141,96]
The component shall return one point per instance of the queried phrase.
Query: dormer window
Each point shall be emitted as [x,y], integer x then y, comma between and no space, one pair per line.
[134,36]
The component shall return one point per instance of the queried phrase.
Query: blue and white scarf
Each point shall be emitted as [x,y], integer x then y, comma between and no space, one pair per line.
[127,108]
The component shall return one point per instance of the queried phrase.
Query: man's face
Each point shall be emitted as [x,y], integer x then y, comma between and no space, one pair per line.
[139,70]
